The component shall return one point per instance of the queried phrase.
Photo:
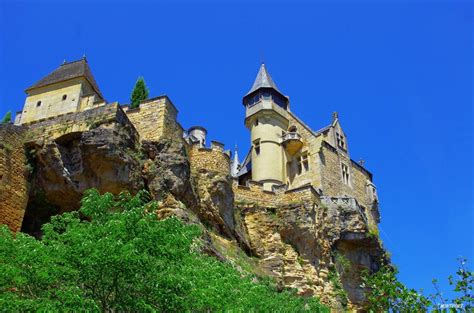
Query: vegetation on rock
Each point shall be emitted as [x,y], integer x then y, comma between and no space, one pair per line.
[115,255]
[139,93]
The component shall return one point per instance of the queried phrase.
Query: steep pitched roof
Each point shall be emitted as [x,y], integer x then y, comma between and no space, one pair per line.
[246,166]
[263,80]
[69,71]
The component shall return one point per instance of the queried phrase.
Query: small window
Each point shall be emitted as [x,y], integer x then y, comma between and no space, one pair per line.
[64,97]
[345,174]
[38,104]
[256,146]
[256,122]
[292,129]
[340,141]
[302,163]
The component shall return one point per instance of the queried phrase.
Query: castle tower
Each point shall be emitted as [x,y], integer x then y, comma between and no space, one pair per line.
[69,88]
[266,117]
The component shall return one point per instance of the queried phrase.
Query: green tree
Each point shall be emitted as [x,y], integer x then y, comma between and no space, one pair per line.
[114,255]
[7,118]
[463,283]
[139,93]
[386,294]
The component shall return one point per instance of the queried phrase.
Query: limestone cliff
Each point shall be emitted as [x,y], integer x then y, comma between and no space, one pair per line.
[318,246]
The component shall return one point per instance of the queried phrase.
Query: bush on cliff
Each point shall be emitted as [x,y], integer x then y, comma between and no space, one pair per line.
[114,255]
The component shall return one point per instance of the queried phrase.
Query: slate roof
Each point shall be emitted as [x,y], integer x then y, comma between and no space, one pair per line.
[263,80]
[246,166]
[68,71]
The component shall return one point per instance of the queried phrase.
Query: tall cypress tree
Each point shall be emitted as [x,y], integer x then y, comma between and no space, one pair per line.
[7,118]
[139,93]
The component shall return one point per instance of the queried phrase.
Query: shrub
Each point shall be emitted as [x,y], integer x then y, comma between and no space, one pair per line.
[114,255]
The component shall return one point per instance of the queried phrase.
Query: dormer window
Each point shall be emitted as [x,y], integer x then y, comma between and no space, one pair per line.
[38,104]
[64,97]
[340,141]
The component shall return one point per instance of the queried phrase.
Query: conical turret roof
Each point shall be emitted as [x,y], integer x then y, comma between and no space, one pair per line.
[263,80]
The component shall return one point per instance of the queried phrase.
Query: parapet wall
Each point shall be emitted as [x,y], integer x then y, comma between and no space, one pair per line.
[213,159]
[13,176]
[155,118]
[58,126]
[254,193]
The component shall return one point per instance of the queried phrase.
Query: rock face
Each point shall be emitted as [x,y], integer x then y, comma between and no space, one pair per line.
[318,247]
[102,158]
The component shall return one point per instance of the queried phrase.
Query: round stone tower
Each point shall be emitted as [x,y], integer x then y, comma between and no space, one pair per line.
[267,119]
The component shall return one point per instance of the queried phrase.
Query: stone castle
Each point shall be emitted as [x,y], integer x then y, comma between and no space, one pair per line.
[288,165]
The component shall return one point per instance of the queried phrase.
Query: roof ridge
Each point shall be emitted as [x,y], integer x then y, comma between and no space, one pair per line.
[81,59]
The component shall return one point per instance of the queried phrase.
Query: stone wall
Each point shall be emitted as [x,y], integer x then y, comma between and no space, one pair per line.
[58,126]
[13,176]
[332,181]
[254,193]
[212,159]
[311,145]
[155,118]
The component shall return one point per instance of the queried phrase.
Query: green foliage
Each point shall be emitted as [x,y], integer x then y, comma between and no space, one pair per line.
[114,255]
[343,264]
[373,232]
[139,93]
[7,118]
[339,291]
[386,293]
[463,283]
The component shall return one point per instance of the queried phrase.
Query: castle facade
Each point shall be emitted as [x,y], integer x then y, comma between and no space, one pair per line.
[287,159]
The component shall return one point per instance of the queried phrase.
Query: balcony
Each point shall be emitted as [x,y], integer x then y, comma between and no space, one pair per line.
[292,142]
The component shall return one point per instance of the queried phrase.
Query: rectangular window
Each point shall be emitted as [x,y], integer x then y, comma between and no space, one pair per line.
[303,163]
[345,174]
[256,146]
[340,141]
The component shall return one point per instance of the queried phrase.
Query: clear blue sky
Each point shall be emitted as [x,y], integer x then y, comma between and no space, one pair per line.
[398,72]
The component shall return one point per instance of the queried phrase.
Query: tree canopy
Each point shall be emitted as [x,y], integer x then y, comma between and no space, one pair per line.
[114,255]
[139,93]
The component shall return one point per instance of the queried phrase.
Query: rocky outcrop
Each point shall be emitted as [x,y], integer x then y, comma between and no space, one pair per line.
[318,248]
[166,170]
[102,158]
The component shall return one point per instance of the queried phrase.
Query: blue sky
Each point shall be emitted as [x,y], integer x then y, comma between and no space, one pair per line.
[398,72]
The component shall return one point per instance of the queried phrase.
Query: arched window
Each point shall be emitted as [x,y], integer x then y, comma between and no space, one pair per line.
[292,129]
[64,97]
[38,104]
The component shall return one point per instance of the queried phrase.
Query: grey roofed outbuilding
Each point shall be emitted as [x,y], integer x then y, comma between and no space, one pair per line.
[263,80]
[68,71]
